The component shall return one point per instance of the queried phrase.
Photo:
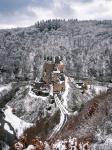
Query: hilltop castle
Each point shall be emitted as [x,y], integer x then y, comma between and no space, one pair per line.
[53,69]
[53,77]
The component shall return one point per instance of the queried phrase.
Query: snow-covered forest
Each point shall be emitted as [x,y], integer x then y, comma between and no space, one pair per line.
[86,47]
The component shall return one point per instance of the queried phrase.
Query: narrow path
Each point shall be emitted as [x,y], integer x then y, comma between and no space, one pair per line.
[63,115]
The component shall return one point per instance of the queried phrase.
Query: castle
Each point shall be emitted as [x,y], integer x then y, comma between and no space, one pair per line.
[52,76]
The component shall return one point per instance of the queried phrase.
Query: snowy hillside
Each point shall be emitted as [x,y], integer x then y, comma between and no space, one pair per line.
[85,47]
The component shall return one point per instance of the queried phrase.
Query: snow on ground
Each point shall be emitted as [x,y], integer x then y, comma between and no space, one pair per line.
[62,108]
[5,87]
[105,145]
[18,124]
[57,71]
[108,141]
[30,147]
[98,89]
[64,96]
[32,94]
[51,89]
[93,89]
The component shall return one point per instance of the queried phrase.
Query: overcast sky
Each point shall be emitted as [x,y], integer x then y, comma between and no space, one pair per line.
[21,13]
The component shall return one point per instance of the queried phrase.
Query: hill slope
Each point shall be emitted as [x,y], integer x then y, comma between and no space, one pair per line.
[84,45]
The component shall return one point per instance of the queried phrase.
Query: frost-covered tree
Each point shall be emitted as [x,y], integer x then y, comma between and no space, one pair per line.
[86,47]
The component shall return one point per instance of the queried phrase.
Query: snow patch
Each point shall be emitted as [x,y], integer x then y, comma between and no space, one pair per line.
[97,89]
[51,89]
[65,94]
[57,71]
[108,141]
[18,124]
[5,87]
[33,95]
